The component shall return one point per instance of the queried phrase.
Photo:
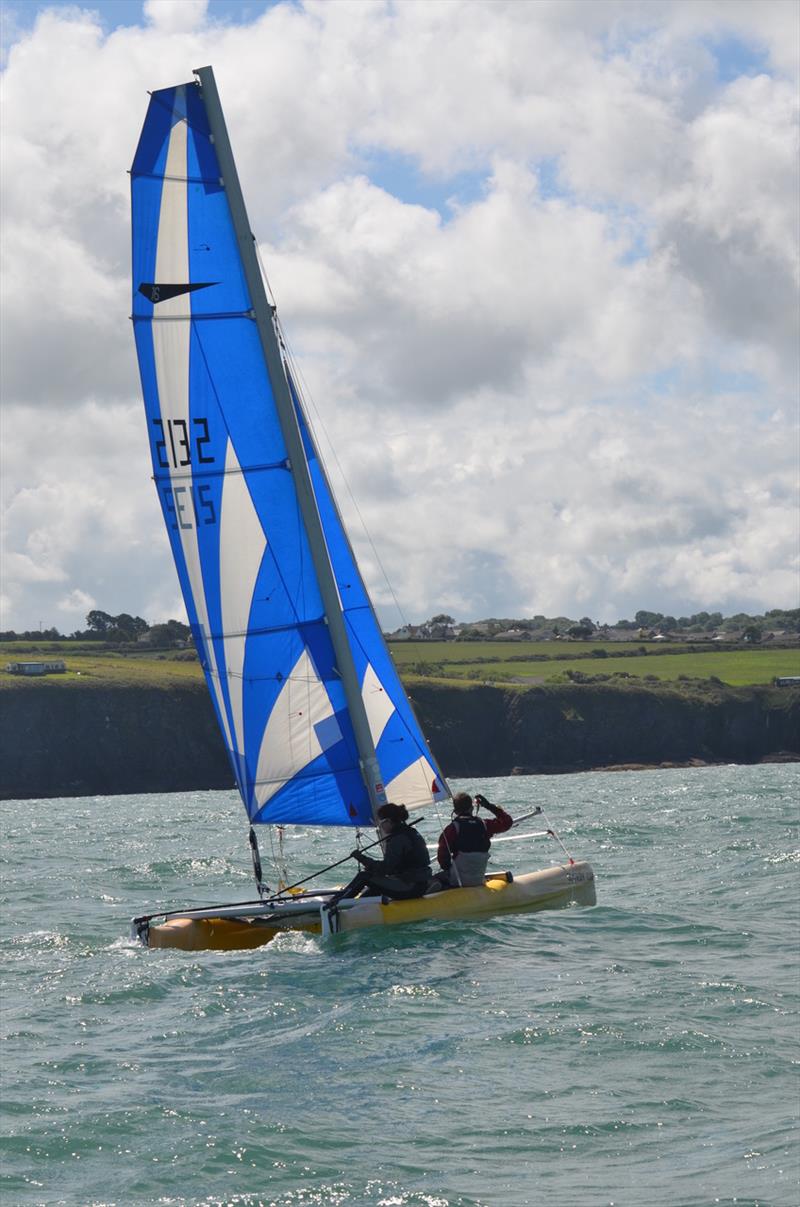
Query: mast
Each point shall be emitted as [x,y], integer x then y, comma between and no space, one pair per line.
[263,315]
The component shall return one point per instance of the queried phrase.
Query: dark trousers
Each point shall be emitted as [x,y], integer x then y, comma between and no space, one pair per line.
[376,884]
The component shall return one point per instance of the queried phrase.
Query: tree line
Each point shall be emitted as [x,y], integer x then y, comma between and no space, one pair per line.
[123,629]
[750,627]
[127,629]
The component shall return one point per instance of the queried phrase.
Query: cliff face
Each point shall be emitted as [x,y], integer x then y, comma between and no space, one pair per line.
[56,741]
[490,731]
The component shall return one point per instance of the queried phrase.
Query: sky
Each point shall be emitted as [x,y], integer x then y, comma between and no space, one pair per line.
[538,262]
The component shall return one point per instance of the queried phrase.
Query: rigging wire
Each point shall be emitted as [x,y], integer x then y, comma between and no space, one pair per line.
[552,832]
[305,393]
[321,871]
[442,829]
[306,396]
[279,856]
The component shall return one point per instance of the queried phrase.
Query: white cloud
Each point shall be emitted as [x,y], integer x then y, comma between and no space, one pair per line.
[591,511]
[76,605]
[572,392]
[81,518]
[732,220]
[175,16]
[514,289]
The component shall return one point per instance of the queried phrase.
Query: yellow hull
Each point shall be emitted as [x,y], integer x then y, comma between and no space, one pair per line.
[218,934]
[551,888]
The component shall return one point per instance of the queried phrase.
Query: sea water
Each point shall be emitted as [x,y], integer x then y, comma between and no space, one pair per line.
[641,1052]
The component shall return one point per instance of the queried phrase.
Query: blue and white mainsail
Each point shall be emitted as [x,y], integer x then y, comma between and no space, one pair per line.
[261,575]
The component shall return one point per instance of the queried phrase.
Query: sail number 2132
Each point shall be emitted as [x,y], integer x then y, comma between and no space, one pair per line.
[179,444]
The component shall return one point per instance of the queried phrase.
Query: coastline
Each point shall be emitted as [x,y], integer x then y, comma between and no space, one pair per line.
[781,756]
[58,741]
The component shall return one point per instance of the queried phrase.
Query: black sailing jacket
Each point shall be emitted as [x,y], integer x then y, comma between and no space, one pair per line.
[405,854]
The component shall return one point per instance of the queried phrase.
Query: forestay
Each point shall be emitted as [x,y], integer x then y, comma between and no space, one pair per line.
[230,503]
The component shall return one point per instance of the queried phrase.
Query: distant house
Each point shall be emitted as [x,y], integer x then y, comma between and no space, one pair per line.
[406,632]
[787,681]
[511,635]
[439,632]
[36,668]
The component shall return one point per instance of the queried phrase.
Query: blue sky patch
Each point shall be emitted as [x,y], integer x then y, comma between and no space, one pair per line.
[730,381]
[736,58]
[638,248]
[709,377]
[117,14]
[400,175]
[551,184]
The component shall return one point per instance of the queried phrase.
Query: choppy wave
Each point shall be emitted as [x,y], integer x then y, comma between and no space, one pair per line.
[642,1052]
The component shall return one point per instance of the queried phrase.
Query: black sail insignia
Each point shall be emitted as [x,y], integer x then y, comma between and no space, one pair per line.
[157,292]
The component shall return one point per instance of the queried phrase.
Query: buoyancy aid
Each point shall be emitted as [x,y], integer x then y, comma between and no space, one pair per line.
[472,834]
[472,855]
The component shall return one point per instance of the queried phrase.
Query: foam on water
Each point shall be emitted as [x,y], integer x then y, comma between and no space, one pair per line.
[642,1052]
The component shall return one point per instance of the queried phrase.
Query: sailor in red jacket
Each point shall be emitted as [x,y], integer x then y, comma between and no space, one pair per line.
[464,845]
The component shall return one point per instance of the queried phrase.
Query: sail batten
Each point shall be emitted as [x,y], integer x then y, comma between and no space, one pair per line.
[309,704]
[193,318]
[220,473]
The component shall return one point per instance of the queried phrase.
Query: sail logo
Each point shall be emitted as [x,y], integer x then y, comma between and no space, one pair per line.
[156,293]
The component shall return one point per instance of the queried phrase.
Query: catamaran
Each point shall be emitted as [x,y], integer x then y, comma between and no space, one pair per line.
[317,724]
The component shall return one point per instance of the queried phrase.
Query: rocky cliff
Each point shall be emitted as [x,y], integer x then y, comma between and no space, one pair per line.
[492,731]
[87,741]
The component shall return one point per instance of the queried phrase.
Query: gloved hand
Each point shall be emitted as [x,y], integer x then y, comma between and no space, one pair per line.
[483,803]
[361,857]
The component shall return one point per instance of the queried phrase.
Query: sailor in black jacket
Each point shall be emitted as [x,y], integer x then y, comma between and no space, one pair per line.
[404,871]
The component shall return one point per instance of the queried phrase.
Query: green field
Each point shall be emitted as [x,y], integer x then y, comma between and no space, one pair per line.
[549,662]
[736,667]
[89,664]
[519,663]
[470,652]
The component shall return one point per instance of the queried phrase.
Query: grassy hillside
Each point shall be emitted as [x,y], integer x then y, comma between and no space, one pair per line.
[529,663]
[91,664]
[523,663]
